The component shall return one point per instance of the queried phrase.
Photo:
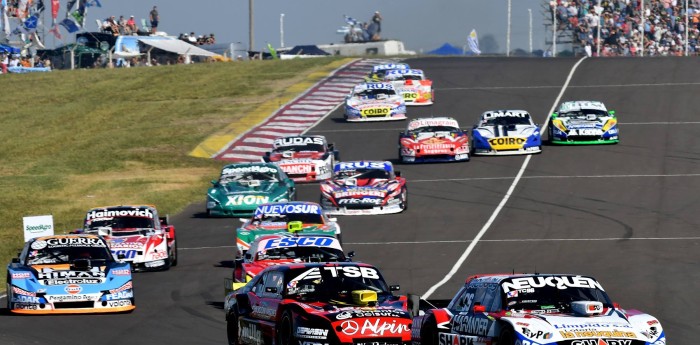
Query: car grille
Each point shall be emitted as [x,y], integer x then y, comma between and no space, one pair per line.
[359,206]
[377,341]
[74,305]
[585,137]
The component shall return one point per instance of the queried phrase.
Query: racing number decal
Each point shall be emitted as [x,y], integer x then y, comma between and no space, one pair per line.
[375,111]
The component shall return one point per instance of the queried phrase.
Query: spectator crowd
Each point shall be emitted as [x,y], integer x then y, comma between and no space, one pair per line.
[620,27]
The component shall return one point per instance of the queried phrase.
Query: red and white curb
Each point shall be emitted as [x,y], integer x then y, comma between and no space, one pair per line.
[300,114]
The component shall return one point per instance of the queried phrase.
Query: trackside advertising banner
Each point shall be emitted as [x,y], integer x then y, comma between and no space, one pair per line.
[36,226]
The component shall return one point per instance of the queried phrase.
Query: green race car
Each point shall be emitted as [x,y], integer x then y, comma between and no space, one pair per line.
[583,123]
[243,186]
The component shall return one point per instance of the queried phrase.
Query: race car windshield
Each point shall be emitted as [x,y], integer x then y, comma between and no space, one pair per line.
[321,284]
[507,120]
[121,223]
[247,177]
[408,77]
[375,93]
[363,174]
[300,148]
[550,299]
[584,113]
[305,218]
[434,129]
[65,255]
[302,254]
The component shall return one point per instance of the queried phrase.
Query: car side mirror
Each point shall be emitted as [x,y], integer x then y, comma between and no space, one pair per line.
[351,254]
[394,287]
[271,289]
[214,182]
[15,260]
[474,127]
[398,173]
[478,308]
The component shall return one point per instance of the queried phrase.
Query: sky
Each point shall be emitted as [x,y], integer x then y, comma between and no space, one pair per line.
[422,25]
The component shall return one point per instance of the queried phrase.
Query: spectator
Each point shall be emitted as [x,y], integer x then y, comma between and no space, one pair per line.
[38,62]
[4,61]
[122,26]
[131,24]
[377,19]
[14,61]
[155,18]
[25,62]
[211,39]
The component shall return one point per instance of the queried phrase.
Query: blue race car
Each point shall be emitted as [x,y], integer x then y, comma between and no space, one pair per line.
[506,132]
[68,274]
[374,102]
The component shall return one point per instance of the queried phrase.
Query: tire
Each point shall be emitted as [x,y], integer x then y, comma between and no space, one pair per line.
[232,328]
[428,333]
[285,330]
[173,255]
[507,336]
[340,238]
[550,133]
[9,294]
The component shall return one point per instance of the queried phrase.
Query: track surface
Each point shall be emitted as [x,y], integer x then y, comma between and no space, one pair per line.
[625,214]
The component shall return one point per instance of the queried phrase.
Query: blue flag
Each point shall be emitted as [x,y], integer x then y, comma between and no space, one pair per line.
[70,24]
[93,3]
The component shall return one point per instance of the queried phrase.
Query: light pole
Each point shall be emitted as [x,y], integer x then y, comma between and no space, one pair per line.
[281,30]
[529,13]
[250,25]
[508,34]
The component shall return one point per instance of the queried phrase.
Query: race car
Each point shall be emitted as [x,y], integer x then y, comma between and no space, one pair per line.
[506,132]
[378,71]
[68,274]
[278,249]
[583,123]
[534,309]
[304,158]
[412,85]
[317,303]
[135,232]
[374,102]
[301,217]
[435,139]
[243,186]
[364,187]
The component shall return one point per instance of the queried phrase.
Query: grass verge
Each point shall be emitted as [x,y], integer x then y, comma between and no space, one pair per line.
[72,140]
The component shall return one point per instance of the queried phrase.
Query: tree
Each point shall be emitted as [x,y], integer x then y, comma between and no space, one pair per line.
[488,44]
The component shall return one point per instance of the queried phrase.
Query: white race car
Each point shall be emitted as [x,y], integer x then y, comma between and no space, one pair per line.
[304,158]
[412,85]
[506,132]
[374,102]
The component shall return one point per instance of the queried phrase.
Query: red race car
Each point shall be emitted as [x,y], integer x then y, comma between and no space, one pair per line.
[435,139]
[304,158]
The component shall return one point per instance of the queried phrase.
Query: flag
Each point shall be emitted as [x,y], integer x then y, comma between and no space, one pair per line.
[70,24]
[54,30]
[69,6]
[5,21]
[91,3]
[55,4]
[40,5]
[28,26]
[272,50]
[350,20]
[473,42]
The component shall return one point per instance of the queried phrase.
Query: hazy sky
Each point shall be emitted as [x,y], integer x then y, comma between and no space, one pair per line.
[420,24]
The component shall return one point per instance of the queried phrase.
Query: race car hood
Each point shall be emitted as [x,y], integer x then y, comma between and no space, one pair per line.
[581,122]
[246,235]
[63,274]
[282,226]
[234,194]
[351,322]
[375,103]
[297,157]
[506,131]
[265,187]
[614,324]
[430,141]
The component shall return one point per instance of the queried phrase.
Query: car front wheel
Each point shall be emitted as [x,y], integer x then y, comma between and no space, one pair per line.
[285,331]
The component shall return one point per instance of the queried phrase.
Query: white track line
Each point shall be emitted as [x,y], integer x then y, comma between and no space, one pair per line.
[486,226]
[553,177]
[570,87]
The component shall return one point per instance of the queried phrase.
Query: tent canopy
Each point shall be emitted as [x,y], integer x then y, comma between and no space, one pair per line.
[9,49]
[177,47]
[446,49]
[306,50]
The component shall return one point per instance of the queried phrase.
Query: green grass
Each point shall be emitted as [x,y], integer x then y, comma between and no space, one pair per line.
[72,140]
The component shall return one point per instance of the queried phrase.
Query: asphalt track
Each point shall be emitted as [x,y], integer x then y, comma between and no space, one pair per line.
[625,214]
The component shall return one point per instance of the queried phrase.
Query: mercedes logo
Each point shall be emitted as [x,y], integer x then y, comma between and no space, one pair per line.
[350,327]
